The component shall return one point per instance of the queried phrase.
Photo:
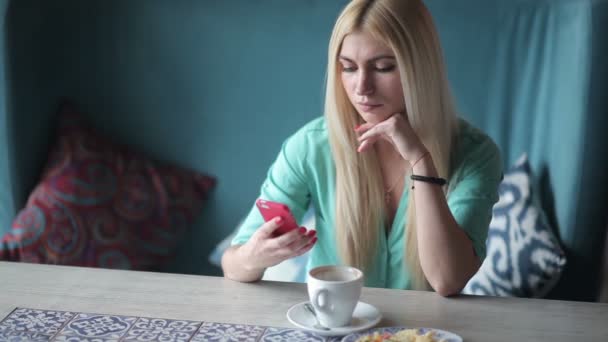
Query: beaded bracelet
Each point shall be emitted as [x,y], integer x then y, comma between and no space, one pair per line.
[432,180]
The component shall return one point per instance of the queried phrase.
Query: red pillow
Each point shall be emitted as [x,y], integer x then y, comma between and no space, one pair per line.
[100,204]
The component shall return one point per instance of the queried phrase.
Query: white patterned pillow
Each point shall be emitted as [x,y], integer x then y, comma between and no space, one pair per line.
[524,258]
[293,269]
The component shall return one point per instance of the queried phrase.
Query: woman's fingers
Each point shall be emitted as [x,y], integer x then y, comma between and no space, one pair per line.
[296,245]
[363,127]
[306,248]
[370,135]
[288,238]
[364,146]
[391,130]
[367,143]
[301,247]
[300,242]
[265,249]
[370,132]
[267,229]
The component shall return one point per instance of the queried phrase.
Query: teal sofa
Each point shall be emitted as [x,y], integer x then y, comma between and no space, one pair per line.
[218,85]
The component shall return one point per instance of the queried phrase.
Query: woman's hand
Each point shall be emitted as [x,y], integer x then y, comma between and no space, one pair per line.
[264,249]
[396,130]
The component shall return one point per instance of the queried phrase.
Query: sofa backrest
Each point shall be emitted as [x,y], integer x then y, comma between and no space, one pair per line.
[532,74]
[218,85]
[6,197]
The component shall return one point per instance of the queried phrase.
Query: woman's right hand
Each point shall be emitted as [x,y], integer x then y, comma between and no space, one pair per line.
[264,249]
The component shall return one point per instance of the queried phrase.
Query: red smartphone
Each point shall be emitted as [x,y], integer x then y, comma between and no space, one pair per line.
[270,210]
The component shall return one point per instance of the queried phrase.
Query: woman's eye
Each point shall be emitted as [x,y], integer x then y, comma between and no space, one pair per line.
[385,68]
[348,68]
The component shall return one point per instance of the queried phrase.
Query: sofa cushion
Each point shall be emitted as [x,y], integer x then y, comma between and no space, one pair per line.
[101,204]
[524,257]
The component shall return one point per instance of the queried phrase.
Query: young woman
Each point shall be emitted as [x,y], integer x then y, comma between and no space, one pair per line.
[401,187]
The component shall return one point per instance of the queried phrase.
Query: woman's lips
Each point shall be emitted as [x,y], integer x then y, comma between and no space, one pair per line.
[368,107]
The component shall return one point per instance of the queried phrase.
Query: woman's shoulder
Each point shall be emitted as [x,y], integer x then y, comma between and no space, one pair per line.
[307,148]
[316,126]
[311,135]
[469,136]
[473,149]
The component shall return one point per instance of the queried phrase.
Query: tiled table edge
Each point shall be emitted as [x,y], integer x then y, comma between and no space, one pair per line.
[54,325]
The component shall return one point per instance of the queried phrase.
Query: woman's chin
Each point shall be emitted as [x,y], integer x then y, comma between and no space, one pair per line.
[374,118]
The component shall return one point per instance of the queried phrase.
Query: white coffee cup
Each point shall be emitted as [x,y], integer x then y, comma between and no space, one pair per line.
[334,292]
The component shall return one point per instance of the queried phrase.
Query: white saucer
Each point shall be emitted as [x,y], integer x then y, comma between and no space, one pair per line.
[365,316]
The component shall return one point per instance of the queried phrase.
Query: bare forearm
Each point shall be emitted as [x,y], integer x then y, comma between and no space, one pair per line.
[235,266]
[446,253]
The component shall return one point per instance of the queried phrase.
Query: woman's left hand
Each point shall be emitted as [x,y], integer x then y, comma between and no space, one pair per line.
[396,130]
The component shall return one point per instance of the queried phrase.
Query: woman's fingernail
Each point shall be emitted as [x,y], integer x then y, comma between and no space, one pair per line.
[312,233]
[278,220]
[302,230]
[357,127]
[314,240]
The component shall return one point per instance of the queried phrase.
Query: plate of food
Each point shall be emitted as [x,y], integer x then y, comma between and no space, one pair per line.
[402,334]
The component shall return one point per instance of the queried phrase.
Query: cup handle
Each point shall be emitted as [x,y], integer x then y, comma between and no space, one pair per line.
[319,299]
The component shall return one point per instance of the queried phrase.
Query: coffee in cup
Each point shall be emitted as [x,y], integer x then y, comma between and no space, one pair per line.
[334,292]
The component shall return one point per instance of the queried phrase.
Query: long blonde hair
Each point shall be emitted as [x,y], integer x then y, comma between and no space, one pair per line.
[407,28]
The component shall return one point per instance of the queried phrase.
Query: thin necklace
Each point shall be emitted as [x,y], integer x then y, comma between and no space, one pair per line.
[387,193]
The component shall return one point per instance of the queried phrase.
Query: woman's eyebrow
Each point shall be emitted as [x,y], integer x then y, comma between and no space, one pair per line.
[370,60]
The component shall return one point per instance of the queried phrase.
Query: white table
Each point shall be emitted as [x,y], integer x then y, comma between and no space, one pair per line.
[215,299]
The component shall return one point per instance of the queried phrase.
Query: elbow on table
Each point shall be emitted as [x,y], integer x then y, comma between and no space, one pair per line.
[234,269]
[243,277]
[447,289]
[449,284]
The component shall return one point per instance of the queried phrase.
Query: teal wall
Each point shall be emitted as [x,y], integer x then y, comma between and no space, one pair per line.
[592,180]
[174,80]
[6,200]
[31,93]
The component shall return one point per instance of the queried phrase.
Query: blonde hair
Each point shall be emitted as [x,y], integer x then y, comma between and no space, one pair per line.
[407,28]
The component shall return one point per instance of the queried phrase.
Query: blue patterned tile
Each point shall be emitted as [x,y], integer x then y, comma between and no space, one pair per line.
[166,330]
[41,325]
[77,338]
[93,327]
[19,336]
[287,335]
[334,339]
[228,332]
[34,321]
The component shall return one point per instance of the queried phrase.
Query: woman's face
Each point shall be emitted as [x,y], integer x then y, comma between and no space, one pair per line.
[370,77]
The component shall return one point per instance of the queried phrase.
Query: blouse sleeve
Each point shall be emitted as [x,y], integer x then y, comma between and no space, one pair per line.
[474,191]
[286,182]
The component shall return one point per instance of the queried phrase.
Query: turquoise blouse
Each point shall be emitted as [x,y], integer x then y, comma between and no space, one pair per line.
[304,174]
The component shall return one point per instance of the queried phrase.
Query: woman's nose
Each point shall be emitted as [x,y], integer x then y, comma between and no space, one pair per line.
[365,84]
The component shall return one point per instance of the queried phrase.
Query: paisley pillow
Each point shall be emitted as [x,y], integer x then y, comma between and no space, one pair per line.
[100,204]
[524,258]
